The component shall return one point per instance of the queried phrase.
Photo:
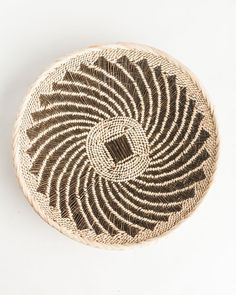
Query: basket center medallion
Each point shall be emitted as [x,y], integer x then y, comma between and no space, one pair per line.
[118,149]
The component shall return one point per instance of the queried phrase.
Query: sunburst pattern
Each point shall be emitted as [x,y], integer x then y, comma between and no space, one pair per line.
[117,146]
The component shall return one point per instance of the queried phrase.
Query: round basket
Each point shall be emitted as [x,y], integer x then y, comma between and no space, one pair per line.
[115,144]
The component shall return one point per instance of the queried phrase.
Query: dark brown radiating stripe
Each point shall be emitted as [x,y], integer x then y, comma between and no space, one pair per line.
[183,169]
[144,67]
[134,73]
[57,109]
[171,109]
[53,194]
[83,127]
[36,165]
[175,185]
[38,128]
[73,203]
[82,195]
[88,82]
[82,99]
[124,79]
[114,70]
[74,90]
[111,82]
[151,195]
[94,207]
[137,211]
[143,64]
[193,150]
[123,226]
[105,208]
[133,219]
[163,106]
[51,160]
[181,142]
[183,131]
[65,178]
[181,107]
[152,203]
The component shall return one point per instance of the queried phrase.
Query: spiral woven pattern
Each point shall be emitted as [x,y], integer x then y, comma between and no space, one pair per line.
[116,145]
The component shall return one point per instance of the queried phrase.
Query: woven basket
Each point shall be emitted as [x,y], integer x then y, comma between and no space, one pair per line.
[115,144]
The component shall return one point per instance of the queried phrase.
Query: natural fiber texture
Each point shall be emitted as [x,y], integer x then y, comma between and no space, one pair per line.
[115,145]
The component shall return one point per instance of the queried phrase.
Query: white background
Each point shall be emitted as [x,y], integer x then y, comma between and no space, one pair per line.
[198,257]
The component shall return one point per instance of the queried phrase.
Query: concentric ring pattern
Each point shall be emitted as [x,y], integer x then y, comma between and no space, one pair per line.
[118,147]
